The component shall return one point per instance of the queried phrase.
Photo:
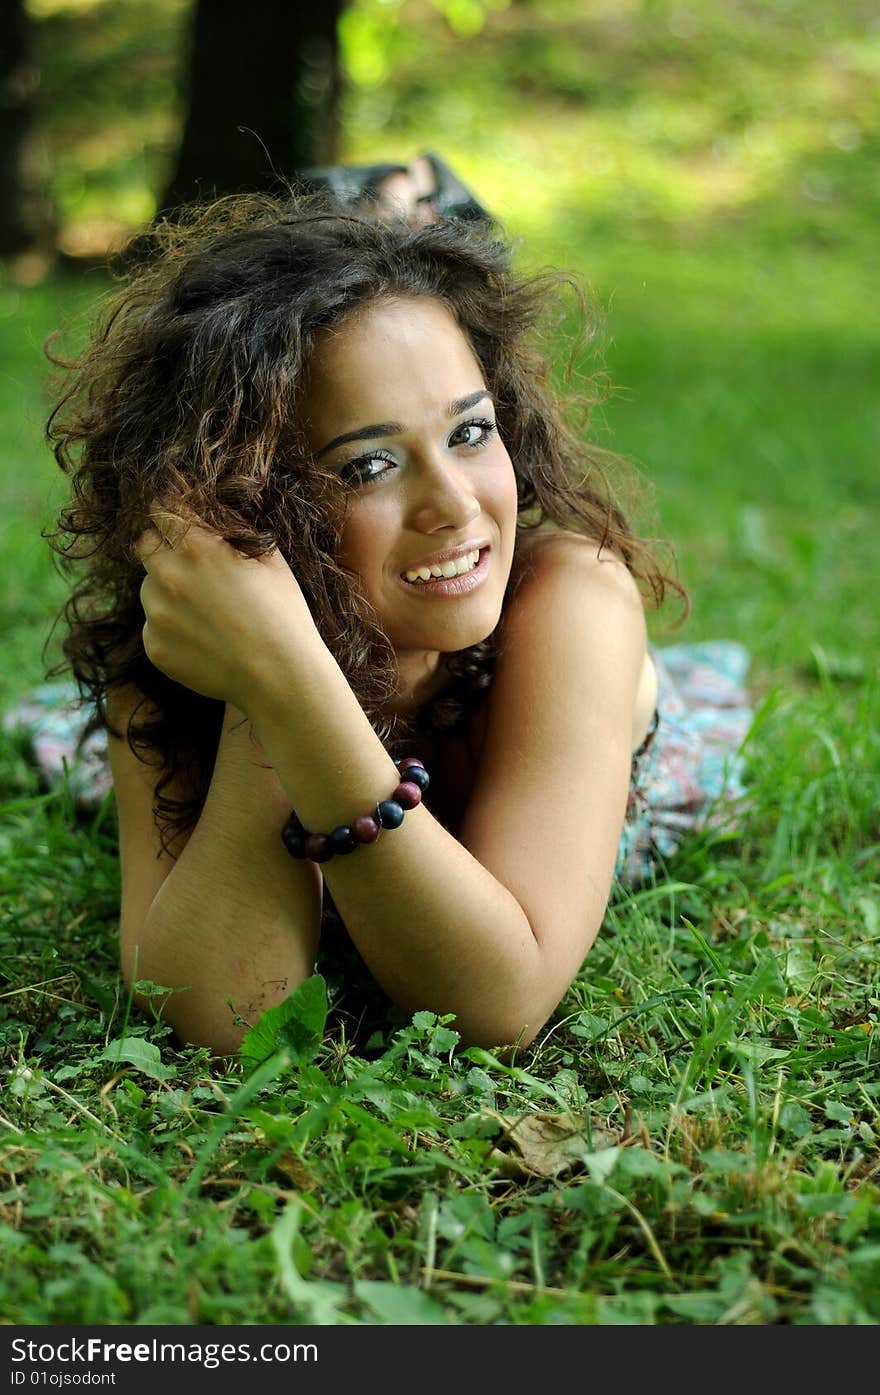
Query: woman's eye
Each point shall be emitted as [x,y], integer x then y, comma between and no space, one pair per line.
[473,434]
[365,468]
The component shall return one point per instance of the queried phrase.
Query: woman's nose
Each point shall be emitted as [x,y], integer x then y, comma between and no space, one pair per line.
[443,497]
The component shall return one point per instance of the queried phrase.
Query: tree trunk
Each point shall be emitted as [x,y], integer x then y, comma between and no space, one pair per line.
[22,211]
[263,96]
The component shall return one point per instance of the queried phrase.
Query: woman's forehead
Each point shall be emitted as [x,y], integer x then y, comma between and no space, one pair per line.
[403,322]
[401,355]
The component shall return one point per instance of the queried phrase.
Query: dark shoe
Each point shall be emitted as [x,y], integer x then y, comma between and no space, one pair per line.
[352,185]
[349,184]
[452,199]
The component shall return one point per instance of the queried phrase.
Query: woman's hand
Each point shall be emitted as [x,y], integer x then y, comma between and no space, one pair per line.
[216,621]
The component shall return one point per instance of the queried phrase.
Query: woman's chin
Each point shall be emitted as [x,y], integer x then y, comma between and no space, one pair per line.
[446,638]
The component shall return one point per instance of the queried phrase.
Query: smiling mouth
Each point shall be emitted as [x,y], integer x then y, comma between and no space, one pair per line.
[452,579]
[444,570]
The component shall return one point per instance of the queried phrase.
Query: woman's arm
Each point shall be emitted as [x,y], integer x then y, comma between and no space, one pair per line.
[494,925]
[233,916]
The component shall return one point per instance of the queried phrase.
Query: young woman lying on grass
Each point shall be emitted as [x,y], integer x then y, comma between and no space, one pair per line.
[336,551]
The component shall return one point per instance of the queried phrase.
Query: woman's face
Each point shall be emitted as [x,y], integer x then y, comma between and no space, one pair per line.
[397,405]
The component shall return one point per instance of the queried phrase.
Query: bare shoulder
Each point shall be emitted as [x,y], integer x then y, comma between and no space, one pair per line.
[566,585]
[134,778]
[572,652]
[576,606]
[562,560]
[144,862]
[122,702]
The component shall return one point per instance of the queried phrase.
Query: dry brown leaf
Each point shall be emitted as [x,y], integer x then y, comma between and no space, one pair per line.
[544,1145]
[291,1170]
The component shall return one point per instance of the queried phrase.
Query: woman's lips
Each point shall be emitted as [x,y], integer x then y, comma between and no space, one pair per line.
[453,585]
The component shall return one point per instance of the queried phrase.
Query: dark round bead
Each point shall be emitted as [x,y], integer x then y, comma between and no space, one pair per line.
[364,829]
[390,813]
[341,839]
[294,840]
[414,774]
[407,795]
[318,847]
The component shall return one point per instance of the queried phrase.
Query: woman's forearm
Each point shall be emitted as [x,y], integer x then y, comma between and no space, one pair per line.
[236,918]
[436,928]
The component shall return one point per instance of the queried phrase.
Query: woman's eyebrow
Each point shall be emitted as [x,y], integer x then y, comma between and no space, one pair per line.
[464,404]
[394,428]
[364,433]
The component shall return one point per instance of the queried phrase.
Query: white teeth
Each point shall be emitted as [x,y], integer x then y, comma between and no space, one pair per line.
[447,569]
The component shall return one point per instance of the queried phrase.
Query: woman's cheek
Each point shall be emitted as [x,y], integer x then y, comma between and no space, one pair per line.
[505,491]
[364,540]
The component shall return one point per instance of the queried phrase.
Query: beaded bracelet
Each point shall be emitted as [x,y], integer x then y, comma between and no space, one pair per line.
[388,813]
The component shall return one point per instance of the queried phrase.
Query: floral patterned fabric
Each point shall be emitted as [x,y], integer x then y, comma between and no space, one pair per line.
[687,775]
[52,720]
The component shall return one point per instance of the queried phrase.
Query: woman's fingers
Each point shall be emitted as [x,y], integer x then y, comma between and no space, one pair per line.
[148,543]
[167,529]
[172,524]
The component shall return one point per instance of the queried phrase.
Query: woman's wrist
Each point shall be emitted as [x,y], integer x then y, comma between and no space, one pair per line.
[273,672]
[363,828]
[319,740]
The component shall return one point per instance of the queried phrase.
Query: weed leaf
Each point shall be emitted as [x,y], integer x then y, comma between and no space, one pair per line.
[297,1024]
[136,1051]
[397,1306]
[317,1301]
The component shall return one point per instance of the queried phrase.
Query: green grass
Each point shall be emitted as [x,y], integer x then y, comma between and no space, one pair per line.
[702,1115]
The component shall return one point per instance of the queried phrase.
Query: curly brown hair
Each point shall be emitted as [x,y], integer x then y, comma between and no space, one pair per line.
[188,393]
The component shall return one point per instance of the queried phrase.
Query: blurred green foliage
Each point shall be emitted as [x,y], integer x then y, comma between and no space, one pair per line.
[632,119]
[109,110]
[644,122]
